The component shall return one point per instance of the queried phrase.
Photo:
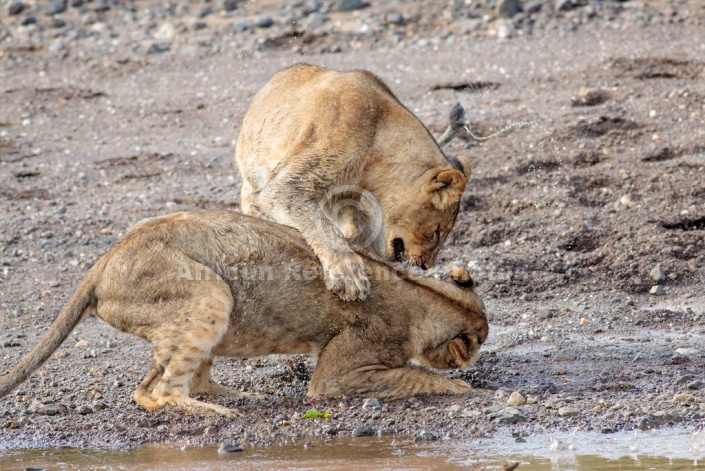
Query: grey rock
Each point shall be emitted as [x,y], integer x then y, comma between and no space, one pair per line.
[199,25]
[508,415]
[657,290]
[565,355]
[646,423]
[657,273]
[394,19]
[99,405]
[227,448]
[662,417]
[264,21]
[49,409]
[508,8]
[229,5]
[363,431]
[239,27]
[30,20]
[57,46]
[696,385]
[687,352]
[54,7]
[568,411]
[372,403]
[564,5]
[85,410]
[316,20]
[426,436]
[349,5]
[158,48]
[101,5]
[312,6]
[58,23]
[76,3]
[16,8]
[331,430]
[533,7]
[205,11]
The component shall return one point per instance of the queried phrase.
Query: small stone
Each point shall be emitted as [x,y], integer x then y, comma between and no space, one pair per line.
[657,273]
[426,436]
[85,410]
[57,46]
[363,431]
[646,423]
[568,411]
[508,8]
[533,7]
[662,417]
[199,25]
[30,20]
[508,415]
[99,405]
[506,31]
[264,21]
[696,385]
[54,7]
[158,48]
[685,397]
[516,399]
[227,448]
[394,19]
[229,5]
[205,11]
[49,409]
[564,5]
[472,413]
[565,355]
[657,290]
[81,344]
[331,430]
[687,352]
[372,403]
[349,5]
[16,8]
[58,23]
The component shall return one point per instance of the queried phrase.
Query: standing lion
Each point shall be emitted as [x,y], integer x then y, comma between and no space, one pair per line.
[338,157]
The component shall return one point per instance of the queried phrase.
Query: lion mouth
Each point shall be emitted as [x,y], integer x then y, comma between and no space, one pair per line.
[398,246]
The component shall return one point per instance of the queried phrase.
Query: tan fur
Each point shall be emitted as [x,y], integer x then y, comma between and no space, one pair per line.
[204,284]
[316,140]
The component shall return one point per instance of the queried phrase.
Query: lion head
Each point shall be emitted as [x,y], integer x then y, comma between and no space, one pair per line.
[467,332]
[418,219]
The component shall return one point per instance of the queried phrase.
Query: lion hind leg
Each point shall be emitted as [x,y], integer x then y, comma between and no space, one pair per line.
[185,346]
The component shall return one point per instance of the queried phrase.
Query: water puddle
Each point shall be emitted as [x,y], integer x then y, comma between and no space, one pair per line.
[584,451]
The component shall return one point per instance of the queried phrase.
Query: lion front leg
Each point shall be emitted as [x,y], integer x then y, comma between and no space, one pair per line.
[351,366]
[344,271]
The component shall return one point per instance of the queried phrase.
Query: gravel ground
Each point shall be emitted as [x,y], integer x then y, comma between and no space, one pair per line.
[584,222]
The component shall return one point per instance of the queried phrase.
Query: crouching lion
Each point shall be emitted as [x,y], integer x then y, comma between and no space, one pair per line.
[338,157]
[202,284]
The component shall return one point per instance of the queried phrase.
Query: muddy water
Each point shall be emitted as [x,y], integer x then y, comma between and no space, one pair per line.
[665,450]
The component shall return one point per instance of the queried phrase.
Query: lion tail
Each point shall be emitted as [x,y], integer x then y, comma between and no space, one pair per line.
[74,311]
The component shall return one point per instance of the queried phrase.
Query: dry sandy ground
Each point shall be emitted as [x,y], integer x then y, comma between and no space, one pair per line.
[568,213]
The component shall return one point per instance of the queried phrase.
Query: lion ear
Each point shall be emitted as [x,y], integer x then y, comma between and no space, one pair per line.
[447,187]
[462,163]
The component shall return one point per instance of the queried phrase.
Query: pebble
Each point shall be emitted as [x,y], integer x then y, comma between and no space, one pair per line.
[372,403]
[657,273]
[99,405]
[57,46]
[564,5]
[516,399]
[662,417]
[687,352]
[264,22]
[16,8]
[426,436]
[508,8]
[472,413]
[565,355]
[229,5]
[349,5]
[646,423]
[508,415]
[54,7]
[227,448]
[696,385]
[49,409]
[158,48]
[363,431]
[331,430]
[85,410]
[657,290]
[568,411]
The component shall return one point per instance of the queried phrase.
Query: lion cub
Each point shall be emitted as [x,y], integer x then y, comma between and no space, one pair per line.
[198,285]
[338,157]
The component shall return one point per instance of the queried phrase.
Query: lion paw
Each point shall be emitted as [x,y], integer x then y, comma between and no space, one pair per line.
[346,277]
